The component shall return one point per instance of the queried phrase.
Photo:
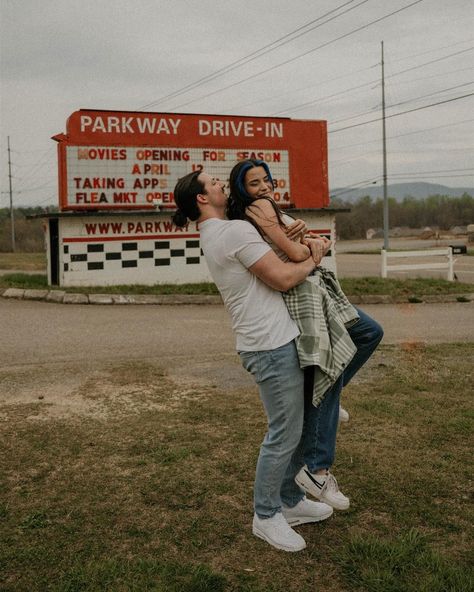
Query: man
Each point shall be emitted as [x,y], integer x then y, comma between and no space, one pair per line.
[250,278]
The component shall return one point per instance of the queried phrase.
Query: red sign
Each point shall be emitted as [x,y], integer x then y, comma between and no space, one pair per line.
[132,160]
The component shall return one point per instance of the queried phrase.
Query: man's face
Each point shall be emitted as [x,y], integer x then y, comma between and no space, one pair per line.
[214,190]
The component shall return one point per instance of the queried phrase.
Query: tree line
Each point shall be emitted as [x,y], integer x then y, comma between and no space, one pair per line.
[440,211]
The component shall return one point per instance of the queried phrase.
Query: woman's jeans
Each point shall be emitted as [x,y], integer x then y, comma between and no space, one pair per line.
[320,423]
[280,380]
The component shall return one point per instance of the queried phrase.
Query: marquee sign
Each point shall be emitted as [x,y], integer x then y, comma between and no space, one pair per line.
[123,160]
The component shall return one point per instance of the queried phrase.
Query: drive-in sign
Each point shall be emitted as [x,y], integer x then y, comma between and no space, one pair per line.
[111,160]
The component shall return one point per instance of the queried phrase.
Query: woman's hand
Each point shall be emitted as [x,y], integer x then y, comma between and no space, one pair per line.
[296,230]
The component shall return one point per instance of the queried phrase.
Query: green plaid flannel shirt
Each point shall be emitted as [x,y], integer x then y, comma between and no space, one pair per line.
[322,312]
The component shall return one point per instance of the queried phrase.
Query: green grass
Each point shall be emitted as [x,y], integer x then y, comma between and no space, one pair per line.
[403,563]
[412,289]
[137,575]
[23,261]
[149,487]
[406,287]
[38,281]
[28,281]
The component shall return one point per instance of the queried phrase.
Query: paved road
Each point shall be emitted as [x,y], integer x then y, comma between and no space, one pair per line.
[40,332]
[370,265]
[58,352]
[351,265]
[413,243]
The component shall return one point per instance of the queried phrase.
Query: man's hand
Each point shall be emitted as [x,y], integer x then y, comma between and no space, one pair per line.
[296,230]
[319,246]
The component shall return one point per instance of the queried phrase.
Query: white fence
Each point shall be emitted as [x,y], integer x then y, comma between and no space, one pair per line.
[445,265]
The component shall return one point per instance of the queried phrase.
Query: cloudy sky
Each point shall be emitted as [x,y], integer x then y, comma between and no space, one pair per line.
[302,59]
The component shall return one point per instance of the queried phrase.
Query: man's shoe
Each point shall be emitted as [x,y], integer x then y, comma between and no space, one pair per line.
[343,415]
[306,511]
[322,487]
[278,533]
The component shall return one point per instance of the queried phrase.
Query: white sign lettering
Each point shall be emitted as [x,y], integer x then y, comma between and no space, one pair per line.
[130,125]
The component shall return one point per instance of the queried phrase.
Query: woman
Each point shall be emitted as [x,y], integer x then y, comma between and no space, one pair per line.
[327,349]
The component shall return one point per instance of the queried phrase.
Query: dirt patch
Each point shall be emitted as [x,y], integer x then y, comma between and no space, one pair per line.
[72,391]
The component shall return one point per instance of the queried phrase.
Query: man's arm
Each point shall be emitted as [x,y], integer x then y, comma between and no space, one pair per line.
[279,275]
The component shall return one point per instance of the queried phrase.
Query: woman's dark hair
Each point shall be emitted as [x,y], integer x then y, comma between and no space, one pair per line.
[185,192]
[239,200]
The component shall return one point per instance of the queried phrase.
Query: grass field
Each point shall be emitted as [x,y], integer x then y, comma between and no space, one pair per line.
[407,288]
[147,486]
[23,261]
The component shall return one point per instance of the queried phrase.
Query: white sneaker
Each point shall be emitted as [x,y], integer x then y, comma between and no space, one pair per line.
[343,415]
[276,532]
[322,487]
[306,511]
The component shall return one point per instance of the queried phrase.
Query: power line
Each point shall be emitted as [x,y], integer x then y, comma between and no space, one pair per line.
[319,84]
[361,28]
[431,176]
[426,129]
[402,102]
[41,162]
[435,171]
[353,116]
[308,103]
[321,99]
[415,55]
[366,183]
[437,75]
[342,161]
[402,113]
[303,105]
[30,151]
[18,192]
[39,203]
[256,54]
[437,92]
[431,62]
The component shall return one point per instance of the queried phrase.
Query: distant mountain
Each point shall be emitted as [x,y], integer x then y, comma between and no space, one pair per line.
[400,190]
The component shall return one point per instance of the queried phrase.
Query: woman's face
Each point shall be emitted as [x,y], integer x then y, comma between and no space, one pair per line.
[257,183]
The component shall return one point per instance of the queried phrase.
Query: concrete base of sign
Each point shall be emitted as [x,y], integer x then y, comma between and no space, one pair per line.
[127,248]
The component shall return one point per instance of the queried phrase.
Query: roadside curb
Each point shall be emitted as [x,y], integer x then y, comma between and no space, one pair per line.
[62,297]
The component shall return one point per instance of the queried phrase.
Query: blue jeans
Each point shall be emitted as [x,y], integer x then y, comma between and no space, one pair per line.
[280,380]
[366,335]
[320,423]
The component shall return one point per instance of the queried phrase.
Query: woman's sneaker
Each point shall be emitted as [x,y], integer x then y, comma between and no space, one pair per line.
[343,415]
[323,487]
[278,533]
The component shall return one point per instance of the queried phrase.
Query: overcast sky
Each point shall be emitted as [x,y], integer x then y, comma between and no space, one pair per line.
[61,55]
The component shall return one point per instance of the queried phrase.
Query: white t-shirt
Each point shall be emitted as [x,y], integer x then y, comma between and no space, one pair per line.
[260,319]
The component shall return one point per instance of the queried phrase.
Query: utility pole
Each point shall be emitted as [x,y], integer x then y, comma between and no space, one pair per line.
[384,142]
[11,196]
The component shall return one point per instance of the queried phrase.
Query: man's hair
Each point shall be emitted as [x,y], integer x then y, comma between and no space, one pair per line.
[185,193]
